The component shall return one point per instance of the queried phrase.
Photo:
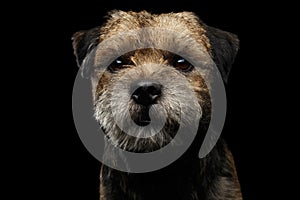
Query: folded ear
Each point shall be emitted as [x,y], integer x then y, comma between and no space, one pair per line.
[84,42]
[224,46]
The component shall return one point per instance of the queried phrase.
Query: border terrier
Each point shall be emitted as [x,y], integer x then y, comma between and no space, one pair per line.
[189,177]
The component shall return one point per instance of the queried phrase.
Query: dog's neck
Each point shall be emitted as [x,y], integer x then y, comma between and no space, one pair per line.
[167,183]
[170,182]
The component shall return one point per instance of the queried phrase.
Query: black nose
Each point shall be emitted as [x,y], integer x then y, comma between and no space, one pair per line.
[147,93]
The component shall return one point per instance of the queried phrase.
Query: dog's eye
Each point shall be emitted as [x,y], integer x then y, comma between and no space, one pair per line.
[182,64]
[119,63]
[116,65]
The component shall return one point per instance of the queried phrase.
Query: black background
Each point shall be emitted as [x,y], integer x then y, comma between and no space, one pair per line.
[63,167]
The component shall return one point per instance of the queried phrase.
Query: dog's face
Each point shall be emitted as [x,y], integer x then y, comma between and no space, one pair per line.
[147,83]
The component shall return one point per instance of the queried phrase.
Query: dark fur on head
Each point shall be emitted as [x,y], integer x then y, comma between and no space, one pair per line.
[213,177]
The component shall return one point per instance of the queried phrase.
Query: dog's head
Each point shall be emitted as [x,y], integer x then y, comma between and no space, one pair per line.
[149,72]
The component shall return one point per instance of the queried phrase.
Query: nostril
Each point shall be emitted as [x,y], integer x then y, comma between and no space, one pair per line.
[147,93]
[154,89]
[135,97]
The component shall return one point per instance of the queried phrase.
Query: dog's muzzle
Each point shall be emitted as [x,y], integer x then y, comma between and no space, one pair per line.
[147,93]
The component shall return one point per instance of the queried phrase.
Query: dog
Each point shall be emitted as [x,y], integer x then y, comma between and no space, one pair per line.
[213,177]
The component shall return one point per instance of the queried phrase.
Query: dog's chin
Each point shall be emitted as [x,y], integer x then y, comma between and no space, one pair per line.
[157,125]
[155,142]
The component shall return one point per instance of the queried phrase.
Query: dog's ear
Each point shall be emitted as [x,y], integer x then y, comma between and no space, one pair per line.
[224,46]
[84,42]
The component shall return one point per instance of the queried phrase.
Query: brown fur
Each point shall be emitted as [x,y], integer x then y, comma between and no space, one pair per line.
[211,178]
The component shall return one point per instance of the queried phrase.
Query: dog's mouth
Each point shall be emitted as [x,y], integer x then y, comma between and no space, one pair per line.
[141,116]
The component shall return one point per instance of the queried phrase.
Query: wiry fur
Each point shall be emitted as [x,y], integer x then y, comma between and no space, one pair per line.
[169,104]
[213,177]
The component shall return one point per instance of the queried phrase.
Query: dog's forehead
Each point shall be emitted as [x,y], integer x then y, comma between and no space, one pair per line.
[183,23]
